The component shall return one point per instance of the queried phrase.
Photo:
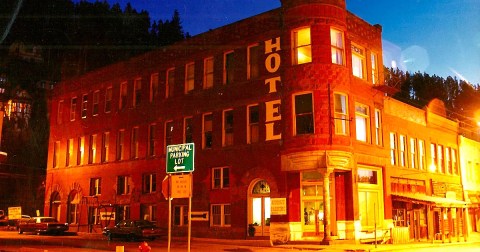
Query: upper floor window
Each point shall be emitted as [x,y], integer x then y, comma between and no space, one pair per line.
[96,100]
[402,148]
[227,127]
[124,185]
[56,154]
[69,152]
[253,118]
[105,146]
[108,99]
[422,162]
[440,159]
[73,108]
[170,82]
[341,114]
[393,148]
[208,73]
[80,150]
[413,153]
[134,143]
[448,160]
[84,105]
[374,62]
[378,128]
[92,153]
[220,178]
[433,156]
[338,46]
[188,130]
[95,186]
[123,95]
[358,61]
[152,138]
[303,114]
[454,162]
[137,96]
[362,122]
[149,182]
[253,61]
[120,144]
[168,133]
[60,112]
[228,67]
[207,129]
[189,77]
[154,87]
[302,46]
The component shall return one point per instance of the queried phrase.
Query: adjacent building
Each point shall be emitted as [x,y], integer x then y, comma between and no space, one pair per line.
[295,136]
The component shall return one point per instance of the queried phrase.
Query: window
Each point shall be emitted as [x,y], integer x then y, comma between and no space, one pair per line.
[154,87]
[56,154]
[341,114]
[92,153]
[149,182]
[378,128]
[152,139]
[253,124]
[84,105]
[134,143]
[227,127]
[105,147]
[123,212]
[413,153]
[220,178]
[374,62]
[189,77]
[448,160]
[123,185]
[170,82]
[120,144]
[123,95]
[302,46]
[303,114]
[403,151]
[441,161]
[68,161]
[148,212]
[168,133]
[80,150]
[73,108]
[393,148]
[137,96]
[207,131]
[96,100]
[108,100]
[362,123]
[421,155]
[228,67]
[93,215]
[454,162]
[180,215]
[221,215]
[253,61]
[95,186]
[358,61]
[73,207]
[208,73]
[337,44]
[188,130]
[433,151]
[365,176]
[60,112]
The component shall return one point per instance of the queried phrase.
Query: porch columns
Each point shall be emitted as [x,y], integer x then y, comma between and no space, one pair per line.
[465,226]
[326,207]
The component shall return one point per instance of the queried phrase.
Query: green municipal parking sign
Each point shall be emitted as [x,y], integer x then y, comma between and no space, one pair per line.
[180,158]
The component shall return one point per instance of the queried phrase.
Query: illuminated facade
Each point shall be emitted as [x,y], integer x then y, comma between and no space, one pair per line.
[288,119]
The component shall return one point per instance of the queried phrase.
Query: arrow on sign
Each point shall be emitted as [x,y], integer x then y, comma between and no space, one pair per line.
[176,168]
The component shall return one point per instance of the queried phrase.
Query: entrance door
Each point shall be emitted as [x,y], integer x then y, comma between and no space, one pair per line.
[260,208]
[55,205]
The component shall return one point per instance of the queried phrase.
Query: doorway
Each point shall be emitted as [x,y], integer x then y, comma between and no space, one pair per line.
[259,207]
[55,206]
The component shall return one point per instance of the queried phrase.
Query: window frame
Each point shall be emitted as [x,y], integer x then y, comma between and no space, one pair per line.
[253,61]
[73,108]
[207,134]
[189,77]
[170,82]
[358,57]
[120,152]
[95,186]
[168,134]
[84,106]
[222,181]
[228,67]
[253,125]
[80,150]
[92,149]
[310,115]
[149,183]
[60,105]
[208,76]
[122,102]
[225,210]
[108,99]
[105,147]
[337,50]
[135,143]
[297,48]
[188,129]
[152,139]
[228,132]
[124,185]
[137,92]
[154,87]
[96,103]
[341,117]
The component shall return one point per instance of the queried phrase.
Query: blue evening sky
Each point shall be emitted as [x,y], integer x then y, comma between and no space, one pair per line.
[440,37]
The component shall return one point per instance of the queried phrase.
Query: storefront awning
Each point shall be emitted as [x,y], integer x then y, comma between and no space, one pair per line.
[429,200]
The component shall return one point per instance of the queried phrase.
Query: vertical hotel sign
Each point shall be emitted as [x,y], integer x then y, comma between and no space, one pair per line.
[272,64]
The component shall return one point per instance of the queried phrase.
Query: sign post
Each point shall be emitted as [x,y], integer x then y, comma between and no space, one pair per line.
[179,161]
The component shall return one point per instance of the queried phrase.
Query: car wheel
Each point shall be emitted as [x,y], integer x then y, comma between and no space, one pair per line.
[20,231]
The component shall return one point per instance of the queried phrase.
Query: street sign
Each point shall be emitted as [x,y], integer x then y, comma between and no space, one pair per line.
[181,186]
[166,187]
[14,213]
[180,158]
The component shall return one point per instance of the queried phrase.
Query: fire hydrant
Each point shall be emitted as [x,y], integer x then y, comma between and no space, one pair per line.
[144,247]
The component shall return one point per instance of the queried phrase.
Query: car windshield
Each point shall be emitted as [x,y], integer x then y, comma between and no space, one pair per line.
[48,220]
[143,223]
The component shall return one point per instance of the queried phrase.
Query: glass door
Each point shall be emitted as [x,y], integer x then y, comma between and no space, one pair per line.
[260,208]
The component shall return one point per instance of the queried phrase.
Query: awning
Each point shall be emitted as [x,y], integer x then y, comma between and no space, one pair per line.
[429,200]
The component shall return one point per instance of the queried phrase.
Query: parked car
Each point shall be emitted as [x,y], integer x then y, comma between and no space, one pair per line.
[3,218]
[47,225]
[16,222]
[134,229]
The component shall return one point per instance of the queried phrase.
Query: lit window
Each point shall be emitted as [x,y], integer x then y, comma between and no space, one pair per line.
[228,68]
[358,61]
[302,47]
[227,127]
[73,108]
[403,150]
[84,105]
[421,155]
[220,178]
[341,114]
[208,73]
[69,152]
[96,100]
[303,114]
[448,160]
[108,100]
[393,148]
[378,128]
[154,87]
[120,144]
[454,162]
[95,186]
[56,154]
[123,95]
[105,146]
[189,77]
[124,185]
[80,150]
[170,82]
[440,159]
[188,130]
[137,96]
[374,62]
[362,123]
[207,131]
[221,215]
[253,61]
[413,153]
[93,149]
[253,124]
[337,44]
[134,143]
[152,138]
[433,154]
[149,183]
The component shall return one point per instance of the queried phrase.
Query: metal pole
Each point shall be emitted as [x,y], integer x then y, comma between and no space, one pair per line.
[190,212]
[169,214]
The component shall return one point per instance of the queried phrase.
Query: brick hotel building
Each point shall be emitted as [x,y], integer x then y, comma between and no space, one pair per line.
[294,135]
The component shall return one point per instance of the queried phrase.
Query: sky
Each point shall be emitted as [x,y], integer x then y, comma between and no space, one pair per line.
[440,37]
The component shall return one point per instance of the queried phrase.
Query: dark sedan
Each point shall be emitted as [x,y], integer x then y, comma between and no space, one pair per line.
[42,225]
[134,229]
